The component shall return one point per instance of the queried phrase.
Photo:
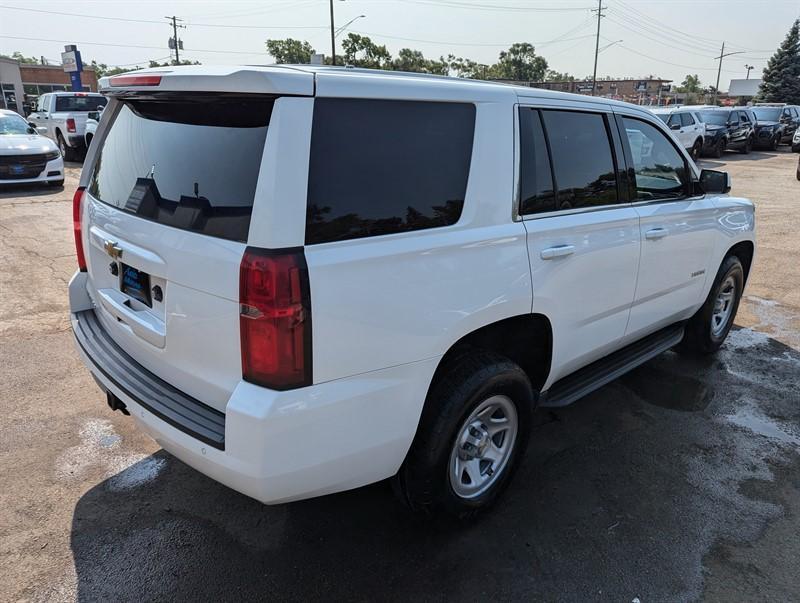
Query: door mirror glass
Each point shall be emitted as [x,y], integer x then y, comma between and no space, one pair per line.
[714,182]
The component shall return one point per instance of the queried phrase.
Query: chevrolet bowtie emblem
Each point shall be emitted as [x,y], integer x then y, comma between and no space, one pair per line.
[112,249]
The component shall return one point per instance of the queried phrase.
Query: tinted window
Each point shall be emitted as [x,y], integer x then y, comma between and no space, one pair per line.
[714,117]
[660,169]
[663,117]
[535,177]
[190,164]
[582,159]
[744,117]
[674,120]
[767,113]
[687,119]
[80,103]
[380,167]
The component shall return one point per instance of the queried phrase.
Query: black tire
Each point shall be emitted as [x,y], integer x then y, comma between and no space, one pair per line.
[700,336]
[774,144]
[67,152]
[697,148]
[748,146]
[719,148]
[470,380]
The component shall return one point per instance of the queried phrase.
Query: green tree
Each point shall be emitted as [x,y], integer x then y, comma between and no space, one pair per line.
[18,56]
[557,76]
[361,51]
[691,83]
[461,67]
[781,80]
[414,61]
[520,63]
[294,52]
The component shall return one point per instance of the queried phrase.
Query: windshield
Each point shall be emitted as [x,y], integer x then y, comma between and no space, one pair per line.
[767,113]
[191,163]
[13,124]
[80,103]
[715,118]
[663,117]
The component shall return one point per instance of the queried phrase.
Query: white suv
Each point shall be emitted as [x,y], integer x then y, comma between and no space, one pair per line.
[301,280]
[687,126]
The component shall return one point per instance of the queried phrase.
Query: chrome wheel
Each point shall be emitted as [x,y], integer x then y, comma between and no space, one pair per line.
[483,446]
[723,306]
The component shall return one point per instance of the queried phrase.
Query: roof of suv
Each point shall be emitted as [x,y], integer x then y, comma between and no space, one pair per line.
[305,80]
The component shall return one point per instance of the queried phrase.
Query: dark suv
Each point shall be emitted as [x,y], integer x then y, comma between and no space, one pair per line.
[728,129]
[781,121]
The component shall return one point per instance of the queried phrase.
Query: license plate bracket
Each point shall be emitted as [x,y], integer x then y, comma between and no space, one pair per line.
[136,283]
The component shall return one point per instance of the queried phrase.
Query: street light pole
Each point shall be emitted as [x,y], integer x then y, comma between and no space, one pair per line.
[721,56]
[597,44]
[333,38]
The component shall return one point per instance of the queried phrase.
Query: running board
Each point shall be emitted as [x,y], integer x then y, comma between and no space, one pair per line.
[594,376]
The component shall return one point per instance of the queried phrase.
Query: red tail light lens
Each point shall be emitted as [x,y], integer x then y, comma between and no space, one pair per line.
[135,80]
[77,206]
[71,125]
[275,318]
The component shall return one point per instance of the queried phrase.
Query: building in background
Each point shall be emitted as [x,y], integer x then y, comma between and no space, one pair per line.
[649,91]
[744,89]
[22,83]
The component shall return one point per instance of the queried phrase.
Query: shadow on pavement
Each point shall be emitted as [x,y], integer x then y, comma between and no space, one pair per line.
[606,505]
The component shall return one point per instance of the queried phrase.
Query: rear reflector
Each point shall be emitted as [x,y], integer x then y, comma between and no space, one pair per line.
[77,207]
[275,318]
[135,80]
[71,125]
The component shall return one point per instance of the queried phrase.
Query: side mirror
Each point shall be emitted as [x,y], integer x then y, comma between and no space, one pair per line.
[675,127]
[714,182]
[31,130]
[32,125]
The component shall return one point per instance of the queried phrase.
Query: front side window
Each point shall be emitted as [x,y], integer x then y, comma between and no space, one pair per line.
[661,171]
[687,119]
[583,162]
[674,120]
[383,166]
[535,178]
[191,163]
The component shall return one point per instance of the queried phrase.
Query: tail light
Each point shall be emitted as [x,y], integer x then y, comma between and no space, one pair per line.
[71,125]
[275,318]
[77,206]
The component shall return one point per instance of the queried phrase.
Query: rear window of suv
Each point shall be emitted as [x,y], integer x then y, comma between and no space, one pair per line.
[80,103]
[384,166]
[191,163]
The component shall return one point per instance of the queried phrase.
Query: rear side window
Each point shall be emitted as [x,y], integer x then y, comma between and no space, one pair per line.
[191,163]
[380,167]
[661,171]
[583,162]
[80,103]
[535,178]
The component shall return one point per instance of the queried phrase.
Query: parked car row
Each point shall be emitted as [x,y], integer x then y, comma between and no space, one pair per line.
[710,131]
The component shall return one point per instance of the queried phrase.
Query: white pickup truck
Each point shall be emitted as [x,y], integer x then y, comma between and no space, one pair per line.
[62,117]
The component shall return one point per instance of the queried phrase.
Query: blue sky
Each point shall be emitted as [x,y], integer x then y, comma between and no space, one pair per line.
[665,38]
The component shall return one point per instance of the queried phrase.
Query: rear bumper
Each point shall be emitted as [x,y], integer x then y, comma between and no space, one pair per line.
[276,446]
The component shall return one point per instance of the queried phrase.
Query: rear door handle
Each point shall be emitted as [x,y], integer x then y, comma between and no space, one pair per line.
[559,251]
[656,233]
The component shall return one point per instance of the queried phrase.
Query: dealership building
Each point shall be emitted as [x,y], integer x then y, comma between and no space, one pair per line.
[22,83]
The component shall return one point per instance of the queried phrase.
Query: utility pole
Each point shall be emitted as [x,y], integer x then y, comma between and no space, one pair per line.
[748,67]
[333,38]
[721,56]
[599,10]
[175,27]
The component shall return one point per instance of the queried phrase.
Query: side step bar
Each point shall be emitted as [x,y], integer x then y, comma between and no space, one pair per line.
[584,381]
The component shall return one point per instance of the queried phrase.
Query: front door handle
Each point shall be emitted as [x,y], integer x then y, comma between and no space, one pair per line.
[656,233]
[559,251]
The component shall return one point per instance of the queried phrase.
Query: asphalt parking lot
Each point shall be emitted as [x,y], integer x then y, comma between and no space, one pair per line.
[680,481]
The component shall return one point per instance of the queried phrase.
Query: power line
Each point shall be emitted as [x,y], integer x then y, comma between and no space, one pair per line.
[148,21]
[494,7]
[111,45]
